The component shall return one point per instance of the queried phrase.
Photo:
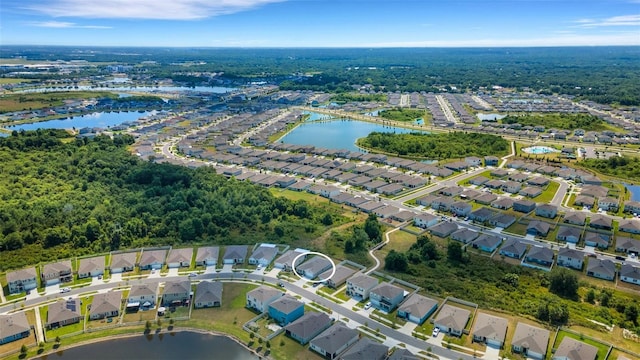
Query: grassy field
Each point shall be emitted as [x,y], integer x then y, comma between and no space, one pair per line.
[548,194]
[5,81]
[32,101]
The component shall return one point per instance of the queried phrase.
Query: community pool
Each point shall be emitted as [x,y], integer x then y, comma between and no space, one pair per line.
[537,150]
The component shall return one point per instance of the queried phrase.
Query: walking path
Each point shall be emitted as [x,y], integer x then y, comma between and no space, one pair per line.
[386,235]
[39,332]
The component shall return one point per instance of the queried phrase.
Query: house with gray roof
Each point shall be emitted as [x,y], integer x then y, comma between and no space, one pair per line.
[286,309]
[342,273]
[144,295]
[632,207]
[487,243]
[122,262]
[285,262]
[403,354]
[524,206]
[489,329]
[503,203]
[601,268]
[176,292]
[152,259]
[570,258]
[538,228]
[630,274]
[207,255]
[482,214]
[627,245]
[314,267]
[308,326]
[57,272]
[540,255]
[502,220]
[485,198]
[234,254]
[208,294]
[365,348]
[595,239]
[417,308]
[513,248]
[464,235]
[598,221]
[64,312]
[547,210]
[630,226]
[572,349]
[530,340]
[22,280]
[334,341]
[569,234]
[91,267]
[14,327]
[105,305]
[359,286]
[425,220]
[461,208]
[179,258]
[443,229]
[263,254]
[575,218]
[530,191]
[452,320]
[259,299]
[386,297]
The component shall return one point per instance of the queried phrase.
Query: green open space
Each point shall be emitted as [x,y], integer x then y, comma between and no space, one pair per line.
[602,348]
[33,101]
[403,114]
[548,193]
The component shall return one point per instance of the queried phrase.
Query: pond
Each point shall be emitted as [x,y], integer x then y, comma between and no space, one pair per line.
[97,119]
[335,134]
[179,345]
[634,191]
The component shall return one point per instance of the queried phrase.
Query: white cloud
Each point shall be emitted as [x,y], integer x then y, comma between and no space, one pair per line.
[624,20]
[146,9]
[65,25]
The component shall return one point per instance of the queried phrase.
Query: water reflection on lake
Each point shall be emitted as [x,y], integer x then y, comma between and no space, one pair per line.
[97,119]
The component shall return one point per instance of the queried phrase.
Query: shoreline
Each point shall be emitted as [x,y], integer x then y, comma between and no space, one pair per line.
[135,334]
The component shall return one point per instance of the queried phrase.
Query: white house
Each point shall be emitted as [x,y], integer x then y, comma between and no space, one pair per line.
[260,298]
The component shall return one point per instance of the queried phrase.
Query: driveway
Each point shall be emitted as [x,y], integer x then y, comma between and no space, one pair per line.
[491,353]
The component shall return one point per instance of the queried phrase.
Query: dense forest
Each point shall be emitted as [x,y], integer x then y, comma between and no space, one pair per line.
[559,121]
[403,114]
[61,197]
[436,146]
[624,167]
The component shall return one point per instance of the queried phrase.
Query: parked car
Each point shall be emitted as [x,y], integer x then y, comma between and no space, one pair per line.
[65,290]
[281,284]
[367,306]
[435,332]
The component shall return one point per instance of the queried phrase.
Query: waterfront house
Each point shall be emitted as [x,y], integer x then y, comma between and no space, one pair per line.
[630,274]
[122,262]
[359,286]
[234,254]
[176,292]
[55,273]
[547,211]
[179,258]
[365,348]
[632,207]
[601,268]
[143,295]
[263,255]
[259,299]
[22,280]
[286,309]
[308,326]
[91,267]
[572,349]
[452,320]
[152,259]
[334,341]
[105,305]
[630,226]
[285,262]
[570,258]
[530,340]
[63,312]
[207,256]
[208,294]
[14,327]
[490,330]
[513,248]
[386,297]
[417,308]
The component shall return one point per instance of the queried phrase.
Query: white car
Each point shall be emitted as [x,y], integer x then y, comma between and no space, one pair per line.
[65,290]
[367,306]
[435,332]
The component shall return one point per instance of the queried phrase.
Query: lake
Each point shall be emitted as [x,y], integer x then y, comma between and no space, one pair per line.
[204,89]
[335,134]
[180,345]
[97,119]
[634,190]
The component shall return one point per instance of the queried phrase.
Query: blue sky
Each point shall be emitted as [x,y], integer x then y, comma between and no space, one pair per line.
[320,23]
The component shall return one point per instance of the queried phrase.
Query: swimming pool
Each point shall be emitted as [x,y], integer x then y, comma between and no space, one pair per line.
[537,150]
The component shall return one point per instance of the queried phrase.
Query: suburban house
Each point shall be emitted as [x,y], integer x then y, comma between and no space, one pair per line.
[144,295]
[91,267]
[425,220]
[64,312]
[334,340]
[632,207]
[259,299]
[452,320]
[22,280]
[599,221]
[207,256]
[464,235]
[490,330]
[443,229]
[286,309]
[503,203]
[627,245]
[179,258]
[285,262]
[105,305]
[57,272]
[152,259]
[512,187]
[365,348]
[595,239]
[530,340]
[538,181]
[359,286]
[630,274]
[473,160]
[482,214]
[513,248]
[608,204]
[487,243]
[122,262]
[308,326]
[426,200]
[403,354]
[417,308]
[572,349]
[491,160]
[547,211]
[208,294]
[176,292]
[386,297]
[234,254]
[494,184]
[570,258]
[530,191]
[263,254]
[502,220]
[451,190]
[569,234]
[540,255]
[538,228]
[461,208]
[479,180]
[575,218]
[524,206]
[601,269]
[499,173]
[485,198]
[314,267]
[630,226]
[14,327]
[339,278]
[584,200]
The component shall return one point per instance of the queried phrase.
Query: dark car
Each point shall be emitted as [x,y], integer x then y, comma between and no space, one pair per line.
[621,258]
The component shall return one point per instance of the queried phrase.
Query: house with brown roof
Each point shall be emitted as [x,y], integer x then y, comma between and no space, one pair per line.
[489,329]
[179,258]
[599,221]
[530,340]
[122,262]
[575,218]
[91,267]
[339,278]
[207,255]
[14,327]
[630,226]
[105,305]
[152,259]
[572,349]
[63,313]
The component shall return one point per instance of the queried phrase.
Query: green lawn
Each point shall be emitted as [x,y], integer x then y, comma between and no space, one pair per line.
[548,194]
[602,348]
